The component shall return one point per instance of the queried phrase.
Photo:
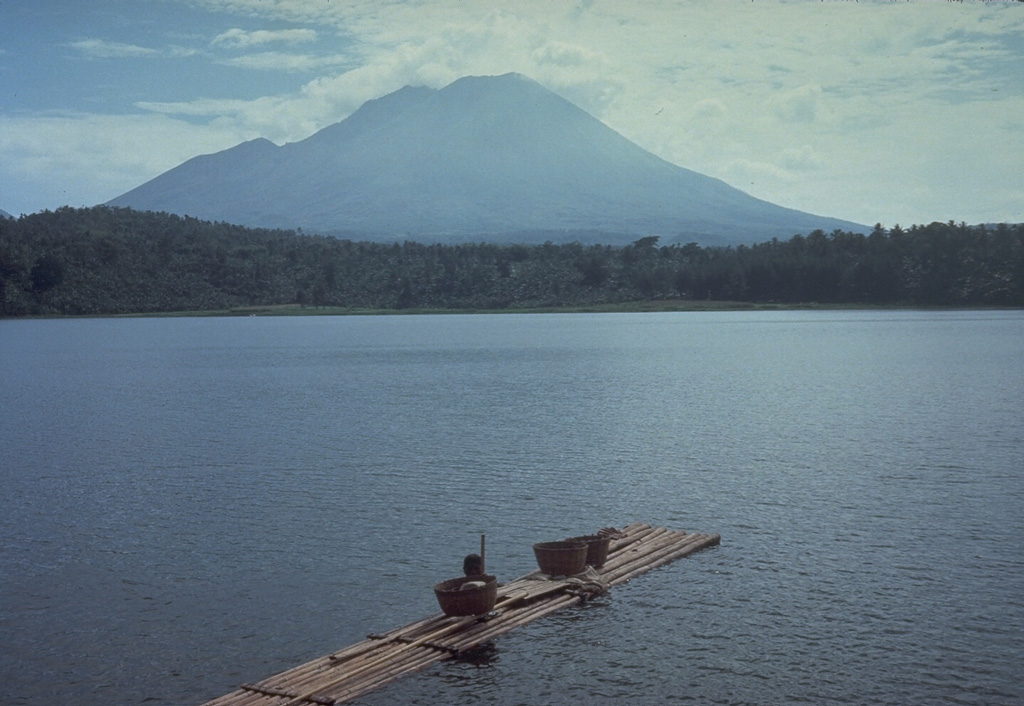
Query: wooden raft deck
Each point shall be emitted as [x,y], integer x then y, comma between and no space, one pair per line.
[379,659]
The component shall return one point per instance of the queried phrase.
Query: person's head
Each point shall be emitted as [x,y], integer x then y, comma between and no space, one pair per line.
[473,565]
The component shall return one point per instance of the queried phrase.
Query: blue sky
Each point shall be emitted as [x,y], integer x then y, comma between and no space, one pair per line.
[892,112]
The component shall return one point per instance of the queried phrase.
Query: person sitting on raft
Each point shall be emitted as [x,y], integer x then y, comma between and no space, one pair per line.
[473,565]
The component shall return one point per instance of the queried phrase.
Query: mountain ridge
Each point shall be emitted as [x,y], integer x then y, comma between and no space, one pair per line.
[483,157]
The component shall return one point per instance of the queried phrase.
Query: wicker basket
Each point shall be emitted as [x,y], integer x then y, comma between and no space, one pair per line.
[456,600]
[597,548]
[561,558]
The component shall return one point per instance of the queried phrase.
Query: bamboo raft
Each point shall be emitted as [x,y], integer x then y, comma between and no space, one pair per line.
[380,659]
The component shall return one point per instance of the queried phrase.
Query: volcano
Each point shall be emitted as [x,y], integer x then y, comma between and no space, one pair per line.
[485,159]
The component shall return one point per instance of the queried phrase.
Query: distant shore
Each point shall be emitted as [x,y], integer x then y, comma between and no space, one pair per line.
[620,308]
[677,305]
[103,262]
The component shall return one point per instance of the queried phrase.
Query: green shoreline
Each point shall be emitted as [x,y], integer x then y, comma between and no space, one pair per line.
[626,308]
[620,308]
[107,262]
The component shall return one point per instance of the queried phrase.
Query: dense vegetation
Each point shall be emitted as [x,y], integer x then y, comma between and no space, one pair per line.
[114,261]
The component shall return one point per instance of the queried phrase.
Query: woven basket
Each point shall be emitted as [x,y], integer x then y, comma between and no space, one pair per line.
[561,558]
[454,600]
[597,548]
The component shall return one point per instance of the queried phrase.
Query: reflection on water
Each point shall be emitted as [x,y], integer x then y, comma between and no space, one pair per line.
[481,656]
[194,504]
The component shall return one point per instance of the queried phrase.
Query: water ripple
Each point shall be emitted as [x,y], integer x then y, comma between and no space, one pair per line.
[193,504]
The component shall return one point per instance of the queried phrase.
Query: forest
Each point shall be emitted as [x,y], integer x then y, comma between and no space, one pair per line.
[106,261]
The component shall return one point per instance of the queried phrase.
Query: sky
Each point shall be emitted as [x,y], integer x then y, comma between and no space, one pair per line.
[871,111]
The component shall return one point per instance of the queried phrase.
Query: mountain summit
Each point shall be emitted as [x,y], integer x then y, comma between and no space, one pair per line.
[485,158]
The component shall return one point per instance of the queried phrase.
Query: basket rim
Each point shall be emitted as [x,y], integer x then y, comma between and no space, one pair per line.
[561,545]
[589,538]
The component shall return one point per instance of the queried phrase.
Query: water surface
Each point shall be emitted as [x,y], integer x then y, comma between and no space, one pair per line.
[195,503]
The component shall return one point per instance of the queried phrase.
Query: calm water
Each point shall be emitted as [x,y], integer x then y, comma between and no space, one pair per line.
[190,504]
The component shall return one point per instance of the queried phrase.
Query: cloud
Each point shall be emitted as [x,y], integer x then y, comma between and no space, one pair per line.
[743,171]
[565,54]
[180,52]
[241,39]
[710,109]
[97,157]
[103,49]
[802,157]
[803,104]
[278,118]
[279,61]
[863,96]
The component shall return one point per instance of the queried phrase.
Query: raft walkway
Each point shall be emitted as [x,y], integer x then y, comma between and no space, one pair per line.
[380,659]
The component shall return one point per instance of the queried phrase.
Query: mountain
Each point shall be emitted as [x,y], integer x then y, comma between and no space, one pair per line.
[5,214]
[485,158]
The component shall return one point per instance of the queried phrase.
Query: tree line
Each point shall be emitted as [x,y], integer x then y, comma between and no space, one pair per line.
[102,261]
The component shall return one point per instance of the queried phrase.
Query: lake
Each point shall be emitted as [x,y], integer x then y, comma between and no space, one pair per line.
[194,503]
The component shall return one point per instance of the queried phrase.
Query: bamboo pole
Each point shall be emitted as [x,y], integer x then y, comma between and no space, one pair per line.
[384,672]
[634,533]
[410,662]
[644,554]
[530,590]
[633,551]
[637,554]
[641,545]
[314,669]
[702,542]
[513,618]
[312,672]
[627,564]
[528,615]
[361,664]
[664,545]
[429,636]
[635,528]
[664,549]
[665,556]
[378,660]
[676,554]
[312,679]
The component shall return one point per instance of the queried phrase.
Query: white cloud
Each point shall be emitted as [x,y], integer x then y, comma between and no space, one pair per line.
[241,39]
[277,118]
[280,61]
[803,104]
[102,49]
[180,52]
[848,109]
[710,109]
[97,157]
[802,157]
